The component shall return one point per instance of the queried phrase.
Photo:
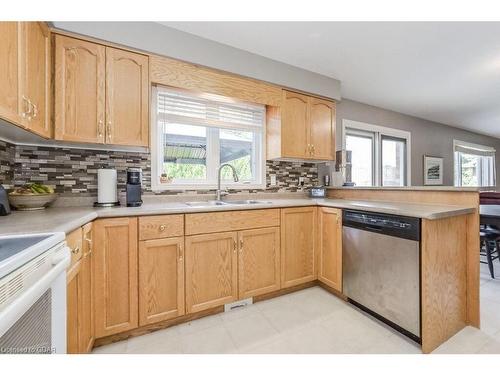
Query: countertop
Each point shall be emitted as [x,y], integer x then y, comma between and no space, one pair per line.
[69,218]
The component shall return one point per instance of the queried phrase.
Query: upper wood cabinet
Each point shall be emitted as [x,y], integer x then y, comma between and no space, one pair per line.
[101,94]
[127,98]
[161,279]
[211,270]
[115,265]
[25,75]
[258,261]
[79,90]
[298,264]
[303,128]
[330,247]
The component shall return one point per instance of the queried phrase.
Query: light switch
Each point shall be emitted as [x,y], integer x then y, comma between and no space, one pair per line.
[273,179]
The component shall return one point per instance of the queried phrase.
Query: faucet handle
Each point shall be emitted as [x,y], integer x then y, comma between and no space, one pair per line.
[224,192]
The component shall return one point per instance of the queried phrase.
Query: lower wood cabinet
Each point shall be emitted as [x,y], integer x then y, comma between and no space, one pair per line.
[330,247]
[161,279]
[298,264]
[258,261]
[80,305]
[115,270]
[211,270]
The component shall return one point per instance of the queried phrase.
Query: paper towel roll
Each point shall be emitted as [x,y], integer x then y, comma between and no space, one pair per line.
[106,186]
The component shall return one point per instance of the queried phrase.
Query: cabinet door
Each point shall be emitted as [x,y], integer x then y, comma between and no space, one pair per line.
[211,271]
[322,125]
[127,99]
[330,247]
[73,301]
[115,275]
[161,279]
[79,90]
[294,126]
[298,227]
[87,293]
[36,76]
[11,106]
[258,262]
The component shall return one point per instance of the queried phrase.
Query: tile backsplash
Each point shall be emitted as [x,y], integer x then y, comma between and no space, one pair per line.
[73,172]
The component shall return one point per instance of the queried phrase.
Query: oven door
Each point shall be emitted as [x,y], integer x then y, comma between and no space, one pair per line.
[35,321]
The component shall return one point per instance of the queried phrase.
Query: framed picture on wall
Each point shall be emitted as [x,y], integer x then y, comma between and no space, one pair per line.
[433,170]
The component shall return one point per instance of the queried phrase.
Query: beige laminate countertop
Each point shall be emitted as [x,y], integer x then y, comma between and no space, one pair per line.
[69,218]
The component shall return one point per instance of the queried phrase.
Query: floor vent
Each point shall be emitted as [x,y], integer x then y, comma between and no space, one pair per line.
[238,304]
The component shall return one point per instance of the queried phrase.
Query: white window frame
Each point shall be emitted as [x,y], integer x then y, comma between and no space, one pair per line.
[457,178]
[379,131]
[213,163]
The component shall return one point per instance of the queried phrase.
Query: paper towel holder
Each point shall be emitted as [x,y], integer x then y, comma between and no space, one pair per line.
[107,204]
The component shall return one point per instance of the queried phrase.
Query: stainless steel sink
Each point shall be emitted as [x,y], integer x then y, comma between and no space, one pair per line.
[205,203]
[247,201]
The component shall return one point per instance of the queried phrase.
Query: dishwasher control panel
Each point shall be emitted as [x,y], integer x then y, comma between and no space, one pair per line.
[392,225]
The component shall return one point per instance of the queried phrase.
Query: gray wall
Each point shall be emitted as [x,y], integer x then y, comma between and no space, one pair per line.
[156,38]
[427,137]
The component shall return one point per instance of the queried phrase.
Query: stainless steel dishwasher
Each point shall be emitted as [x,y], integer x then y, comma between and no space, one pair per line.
[381,268]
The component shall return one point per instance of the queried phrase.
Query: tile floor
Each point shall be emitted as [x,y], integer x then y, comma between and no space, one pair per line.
[310,321]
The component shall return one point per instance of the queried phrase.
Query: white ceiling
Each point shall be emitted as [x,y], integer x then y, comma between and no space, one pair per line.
[447,72]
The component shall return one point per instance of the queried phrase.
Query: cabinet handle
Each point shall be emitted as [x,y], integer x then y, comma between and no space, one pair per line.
[35,109]
[26,114]
[181,255]
[161,228]
[108,130]
[312,150]
[234,246]
[76,250]
[241,245]
[99,129]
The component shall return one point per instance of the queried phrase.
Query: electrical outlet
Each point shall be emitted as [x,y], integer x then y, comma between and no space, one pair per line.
[301,181]
[273,179]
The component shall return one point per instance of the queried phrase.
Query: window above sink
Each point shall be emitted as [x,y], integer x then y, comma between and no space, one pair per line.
[192,134]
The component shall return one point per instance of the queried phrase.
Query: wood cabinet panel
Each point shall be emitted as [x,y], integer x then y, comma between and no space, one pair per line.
[258,261]
[322,125]
[211,271]
[161,226]
[127,98]
[87,292]
[298,226]
[211,222]
[79,90]
[161,280]
[73,303]
[115,266]
[330,247]
[37,73]
[74,241]
[10,64]
[294,122]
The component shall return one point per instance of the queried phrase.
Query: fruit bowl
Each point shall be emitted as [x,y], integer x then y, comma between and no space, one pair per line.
[30,202]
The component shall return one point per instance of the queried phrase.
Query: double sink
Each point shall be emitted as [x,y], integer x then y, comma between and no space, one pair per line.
[225,203]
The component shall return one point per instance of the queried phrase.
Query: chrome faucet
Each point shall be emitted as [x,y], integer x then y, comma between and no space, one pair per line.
[219,193]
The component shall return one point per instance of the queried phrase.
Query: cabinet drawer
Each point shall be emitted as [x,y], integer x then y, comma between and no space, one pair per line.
[162,226]
[74,241]
[212,222]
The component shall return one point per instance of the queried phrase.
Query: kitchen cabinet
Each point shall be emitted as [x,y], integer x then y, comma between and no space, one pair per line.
[330,247]
[25,64]
[86,329]
[161,279]
[115,275]
[302,128]
[127,98]
[298,226]
[211,270]
[258,261]
[80,305]
[101,94]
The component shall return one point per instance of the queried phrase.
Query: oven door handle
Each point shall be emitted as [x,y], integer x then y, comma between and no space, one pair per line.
[14,310]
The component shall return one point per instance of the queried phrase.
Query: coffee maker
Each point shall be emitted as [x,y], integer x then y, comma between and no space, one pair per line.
[134,187]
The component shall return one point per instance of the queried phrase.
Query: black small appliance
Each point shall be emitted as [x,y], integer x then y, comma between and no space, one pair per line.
[4,202]
[134,187]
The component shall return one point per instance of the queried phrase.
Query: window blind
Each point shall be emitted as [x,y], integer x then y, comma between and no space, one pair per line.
[175,106]
[472,149]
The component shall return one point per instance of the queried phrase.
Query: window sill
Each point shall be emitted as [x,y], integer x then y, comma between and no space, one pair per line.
[181,187]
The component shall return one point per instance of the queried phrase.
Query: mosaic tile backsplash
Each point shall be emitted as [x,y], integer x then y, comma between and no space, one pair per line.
[73,172]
